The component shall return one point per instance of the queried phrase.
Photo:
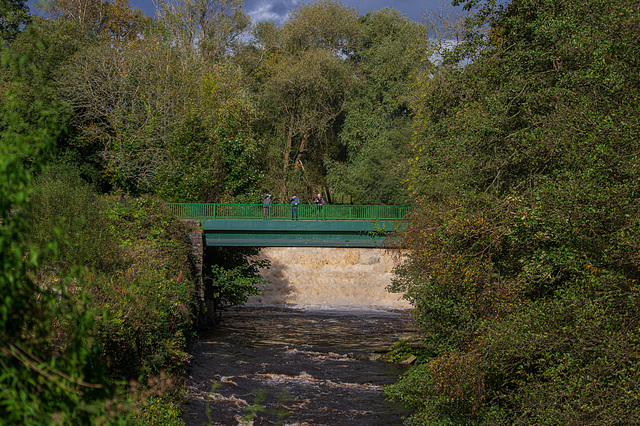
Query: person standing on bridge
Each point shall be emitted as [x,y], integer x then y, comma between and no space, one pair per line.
[266,204]
[294,206]
[319,203]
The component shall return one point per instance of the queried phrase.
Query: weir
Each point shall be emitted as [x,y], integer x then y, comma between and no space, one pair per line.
[323,277]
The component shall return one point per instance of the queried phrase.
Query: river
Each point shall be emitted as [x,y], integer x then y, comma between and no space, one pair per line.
[295,367]
[304,352]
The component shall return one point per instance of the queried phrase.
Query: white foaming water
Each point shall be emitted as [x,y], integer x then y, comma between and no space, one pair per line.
[328,278]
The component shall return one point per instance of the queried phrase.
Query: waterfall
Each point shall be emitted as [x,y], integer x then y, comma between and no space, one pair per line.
[328,277]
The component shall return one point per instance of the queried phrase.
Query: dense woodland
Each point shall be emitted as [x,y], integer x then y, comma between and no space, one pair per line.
[514,134]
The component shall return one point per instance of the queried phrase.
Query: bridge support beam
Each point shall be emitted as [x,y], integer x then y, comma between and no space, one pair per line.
[289,233]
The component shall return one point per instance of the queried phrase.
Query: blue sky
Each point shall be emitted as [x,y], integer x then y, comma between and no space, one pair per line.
[278,9]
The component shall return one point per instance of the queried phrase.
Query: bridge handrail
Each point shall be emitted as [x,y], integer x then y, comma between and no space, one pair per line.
[284,211]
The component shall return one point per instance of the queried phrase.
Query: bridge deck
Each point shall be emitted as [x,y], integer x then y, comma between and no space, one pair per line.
[283,233]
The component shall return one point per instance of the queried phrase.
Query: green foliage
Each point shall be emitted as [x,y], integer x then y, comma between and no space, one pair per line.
[376,131]
[301,101]
[149,300]
[47,46]
[325,24]
[157,410]
[232,275]
[66,211]
[110,20]
[194,170]
[131,263]
[211,26]
[49,367]
[130,115]
[180,126]
[402,350]
[522,266]
[13,15]
[241,152]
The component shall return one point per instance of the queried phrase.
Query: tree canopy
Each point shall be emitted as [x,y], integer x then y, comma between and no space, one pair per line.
[523,268]
[13,15]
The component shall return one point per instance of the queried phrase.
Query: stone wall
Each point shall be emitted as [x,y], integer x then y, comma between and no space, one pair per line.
[196,237]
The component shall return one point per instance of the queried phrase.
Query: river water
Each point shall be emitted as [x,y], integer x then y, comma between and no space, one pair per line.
[295,367]
[304,353]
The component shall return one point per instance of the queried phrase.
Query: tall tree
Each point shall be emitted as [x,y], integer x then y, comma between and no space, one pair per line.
[113,19]
[213,25]
[376,133]
[325,24]
[127,97]
[305,82]
[165,120]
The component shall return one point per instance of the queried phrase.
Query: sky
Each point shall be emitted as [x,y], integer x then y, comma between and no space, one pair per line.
[277,10]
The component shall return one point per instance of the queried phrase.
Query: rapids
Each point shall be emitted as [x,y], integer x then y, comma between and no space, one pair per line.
[304,353]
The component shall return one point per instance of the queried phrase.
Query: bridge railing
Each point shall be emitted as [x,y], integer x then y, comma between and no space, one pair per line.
[285,211]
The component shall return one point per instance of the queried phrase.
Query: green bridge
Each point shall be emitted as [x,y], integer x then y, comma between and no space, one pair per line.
[255,225]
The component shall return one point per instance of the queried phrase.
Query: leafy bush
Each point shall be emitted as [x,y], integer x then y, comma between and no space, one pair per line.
[523,267]
[133,265]
[231,275]
[149,300]
[49,366]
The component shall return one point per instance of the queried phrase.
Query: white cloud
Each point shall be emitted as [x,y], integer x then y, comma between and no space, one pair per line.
[268,10]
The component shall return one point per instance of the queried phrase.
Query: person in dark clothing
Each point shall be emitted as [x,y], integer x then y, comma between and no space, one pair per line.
[319,201]
[266,204]
[123,199]
[294,206]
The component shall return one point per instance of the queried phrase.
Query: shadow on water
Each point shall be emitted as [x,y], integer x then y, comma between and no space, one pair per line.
[292,366]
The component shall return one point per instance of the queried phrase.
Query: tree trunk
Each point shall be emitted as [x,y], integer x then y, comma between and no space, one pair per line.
[301,152]
[287,149]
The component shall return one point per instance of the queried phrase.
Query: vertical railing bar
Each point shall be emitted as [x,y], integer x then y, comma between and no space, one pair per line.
[281,211]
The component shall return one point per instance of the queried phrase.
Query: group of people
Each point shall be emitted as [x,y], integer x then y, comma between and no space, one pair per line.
[295,201]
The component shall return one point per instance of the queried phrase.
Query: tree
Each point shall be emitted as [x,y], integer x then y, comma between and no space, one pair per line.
[304,82]
[112,19]
[376,132]
[446,29]
[521,249]
[49,367]
[324,24]
[166,121]
[306,92]
[127,97]
[213,25]
[14,14]
[231,276]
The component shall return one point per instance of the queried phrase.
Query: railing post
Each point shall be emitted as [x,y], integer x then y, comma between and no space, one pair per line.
[377,212]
